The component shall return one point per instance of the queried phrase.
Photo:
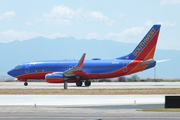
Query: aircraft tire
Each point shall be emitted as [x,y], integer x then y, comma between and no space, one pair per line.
[79,83]
[25,84]
[87,83]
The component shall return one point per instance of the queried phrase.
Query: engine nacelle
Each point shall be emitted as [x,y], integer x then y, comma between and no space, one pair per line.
[54,78]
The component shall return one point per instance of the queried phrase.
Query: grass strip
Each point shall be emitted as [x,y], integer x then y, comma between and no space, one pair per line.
[141,91]
[162,110]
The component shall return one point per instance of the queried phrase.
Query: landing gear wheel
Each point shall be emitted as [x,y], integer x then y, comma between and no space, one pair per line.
[88,83]
[25,84]
[79,83]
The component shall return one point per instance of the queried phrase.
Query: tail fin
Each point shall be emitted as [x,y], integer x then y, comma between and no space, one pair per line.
[146,48]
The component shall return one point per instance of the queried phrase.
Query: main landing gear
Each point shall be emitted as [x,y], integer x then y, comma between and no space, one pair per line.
[79,83]
[25,83]
[87,83]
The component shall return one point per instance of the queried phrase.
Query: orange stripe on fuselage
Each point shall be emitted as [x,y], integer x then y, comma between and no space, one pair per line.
[36,75]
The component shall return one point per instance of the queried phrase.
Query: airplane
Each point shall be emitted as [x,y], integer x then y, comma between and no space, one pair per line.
[74,71]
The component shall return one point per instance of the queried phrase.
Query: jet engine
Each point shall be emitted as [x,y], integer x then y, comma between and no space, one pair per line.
[54,78]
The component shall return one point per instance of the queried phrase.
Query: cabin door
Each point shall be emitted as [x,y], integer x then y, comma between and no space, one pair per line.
[26,68]
[125,69]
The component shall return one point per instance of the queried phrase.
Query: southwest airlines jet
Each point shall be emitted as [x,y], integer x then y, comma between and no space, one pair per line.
[73,71]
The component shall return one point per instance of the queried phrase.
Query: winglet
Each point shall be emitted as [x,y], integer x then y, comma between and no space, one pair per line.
[81,61]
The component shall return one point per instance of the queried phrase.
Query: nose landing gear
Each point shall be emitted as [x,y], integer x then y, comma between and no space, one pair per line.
[25,83]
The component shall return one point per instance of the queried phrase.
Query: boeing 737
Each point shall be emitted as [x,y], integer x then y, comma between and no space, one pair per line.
[73,71]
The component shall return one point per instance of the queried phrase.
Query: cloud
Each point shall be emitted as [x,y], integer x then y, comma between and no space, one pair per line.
[120,15]
[8,15]
[28,23]
[12,35]
[61,12]
[59,15]
[167,23]
[126,35]
[93,35]
[98,17]
[148,23]
[55,35]
[169,43]
[63,15]
[164,2]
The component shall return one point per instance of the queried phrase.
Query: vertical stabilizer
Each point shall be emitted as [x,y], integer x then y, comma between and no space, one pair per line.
[146,48]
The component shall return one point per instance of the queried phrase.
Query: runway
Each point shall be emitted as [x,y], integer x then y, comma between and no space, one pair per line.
[125,112]
[84,107]
[94,85]
[85,100]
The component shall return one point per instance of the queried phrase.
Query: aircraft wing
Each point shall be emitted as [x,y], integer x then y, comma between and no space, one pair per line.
[78,67]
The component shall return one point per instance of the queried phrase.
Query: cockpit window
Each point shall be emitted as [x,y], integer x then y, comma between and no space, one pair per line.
[17,67]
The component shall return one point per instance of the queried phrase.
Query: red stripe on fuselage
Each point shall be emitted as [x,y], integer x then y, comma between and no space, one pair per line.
[36,75]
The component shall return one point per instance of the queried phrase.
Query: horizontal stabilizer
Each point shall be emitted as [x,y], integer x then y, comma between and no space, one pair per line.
[162,60]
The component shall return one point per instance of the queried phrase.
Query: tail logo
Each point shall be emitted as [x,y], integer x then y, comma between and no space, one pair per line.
[144,42]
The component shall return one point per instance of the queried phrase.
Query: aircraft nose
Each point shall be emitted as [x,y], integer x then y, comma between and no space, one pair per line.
[11,73]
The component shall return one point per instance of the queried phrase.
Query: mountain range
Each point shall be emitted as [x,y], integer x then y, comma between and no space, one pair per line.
[42,48]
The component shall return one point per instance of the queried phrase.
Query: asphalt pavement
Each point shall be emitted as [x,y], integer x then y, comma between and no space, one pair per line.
[94,85]
[125,112]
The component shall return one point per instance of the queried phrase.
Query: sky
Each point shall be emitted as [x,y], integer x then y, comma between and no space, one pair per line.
[118,20]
